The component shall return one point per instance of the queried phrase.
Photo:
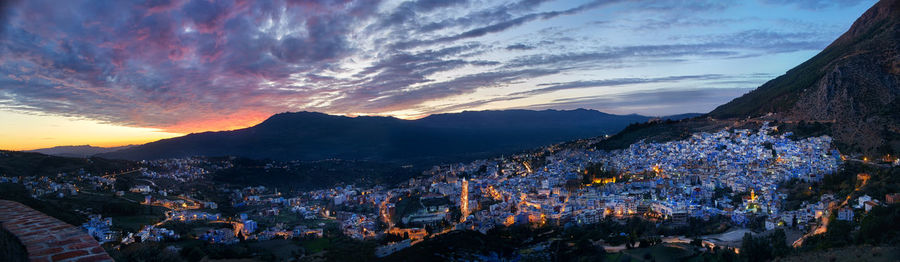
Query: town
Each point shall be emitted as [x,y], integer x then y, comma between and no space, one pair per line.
[733,174]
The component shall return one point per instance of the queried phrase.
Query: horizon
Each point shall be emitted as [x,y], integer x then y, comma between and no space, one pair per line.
[136,73]
[124,144]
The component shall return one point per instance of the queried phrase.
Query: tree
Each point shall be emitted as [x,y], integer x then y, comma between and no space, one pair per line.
[697,242]
[838,233]
[779,245]
[755,249]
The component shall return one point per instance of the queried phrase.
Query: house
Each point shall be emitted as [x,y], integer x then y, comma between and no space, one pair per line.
[434,209]
[99,228]
[892,198]
[868,205]
[862,200]
[271,211]
[249,227]
[154,234]
[143,189]
[221,236]
[845,213]
[773,222]
[210,205]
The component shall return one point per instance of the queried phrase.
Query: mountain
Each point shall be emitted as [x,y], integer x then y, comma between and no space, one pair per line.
[17,163]
[853,86]
[440,137]
[77,151]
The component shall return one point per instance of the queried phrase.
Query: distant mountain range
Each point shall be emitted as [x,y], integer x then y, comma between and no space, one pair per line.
[78,151]
[853,86]
[440,137]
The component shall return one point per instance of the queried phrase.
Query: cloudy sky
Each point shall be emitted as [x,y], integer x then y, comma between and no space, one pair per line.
[142,70]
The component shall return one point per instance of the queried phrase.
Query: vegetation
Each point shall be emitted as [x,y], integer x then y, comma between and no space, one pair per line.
[596,171]
[146,252]
[126,215]
[876,227]
[406,206]
[882,181]
[764,247]
[804,129]
[302,176]
[16,192]
[660,131]
[14,163]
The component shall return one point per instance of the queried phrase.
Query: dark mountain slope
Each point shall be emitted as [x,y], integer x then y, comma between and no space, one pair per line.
[15,163]
[77,151]
[853,83]
[443,137]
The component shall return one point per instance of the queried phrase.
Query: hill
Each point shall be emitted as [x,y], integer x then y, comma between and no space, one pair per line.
[853,83]
[77,151]
[13,164]
[441,137]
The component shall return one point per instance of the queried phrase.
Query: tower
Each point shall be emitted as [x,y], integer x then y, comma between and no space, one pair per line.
[752,196]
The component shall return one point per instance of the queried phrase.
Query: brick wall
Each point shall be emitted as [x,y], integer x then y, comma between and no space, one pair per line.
[48,238]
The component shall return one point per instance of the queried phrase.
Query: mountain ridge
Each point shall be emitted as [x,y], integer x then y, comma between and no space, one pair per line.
[78,151]
[441,137]
[854,84]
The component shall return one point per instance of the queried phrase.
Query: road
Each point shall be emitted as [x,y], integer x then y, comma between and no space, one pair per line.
[823,227]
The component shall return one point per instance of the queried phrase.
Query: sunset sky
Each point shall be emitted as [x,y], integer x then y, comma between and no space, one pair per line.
[118,72]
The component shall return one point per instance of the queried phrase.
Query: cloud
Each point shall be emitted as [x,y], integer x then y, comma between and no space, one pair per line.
[185,64]
[390,101]
[519,47]
[161,64]
[502,26]
[551,87]
[815,4]
[652,102]
[748,43]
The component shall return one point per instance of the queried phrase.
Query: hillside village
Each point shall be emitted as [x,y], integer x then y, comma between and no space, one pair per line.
[732,175]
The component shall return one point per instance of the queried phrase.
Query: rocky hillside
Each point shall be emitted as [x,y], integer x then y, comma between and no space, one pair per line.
[854,83]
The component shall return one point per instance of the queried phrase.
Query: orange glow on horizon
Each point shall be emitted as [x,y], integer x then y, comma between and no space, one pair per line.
[233,121]
[22,131]
[27,131]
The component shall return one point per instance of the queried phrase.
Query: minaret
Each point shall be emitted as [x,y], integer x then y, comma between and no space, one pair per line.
[464,200]
[752,195]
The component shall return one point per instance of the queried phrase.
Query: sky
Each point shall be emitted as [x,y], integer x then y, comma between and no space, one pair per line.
[118,72]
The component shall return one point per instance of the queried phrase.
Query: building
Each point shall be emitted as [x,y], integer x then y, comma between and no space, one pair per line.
[773,223]
[892,198]
[143,189]
[249,227]
[388,249]
[154,234]
[845,213]
[435,209]
[99,228]
[220,236]
[411,233]
[868,205]
[862,200]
